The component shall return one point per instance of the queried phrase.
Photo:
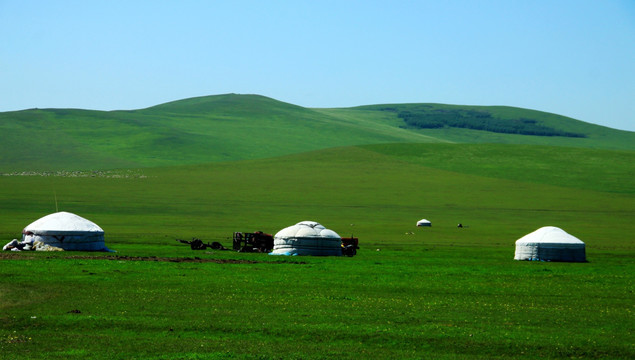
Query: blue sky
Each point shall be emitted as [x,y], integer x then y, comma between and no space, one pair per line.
[574,58]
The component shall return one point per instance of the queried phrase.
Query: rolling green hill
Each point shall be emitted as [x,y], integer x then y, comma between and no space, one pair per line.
[237,127]
[584,134]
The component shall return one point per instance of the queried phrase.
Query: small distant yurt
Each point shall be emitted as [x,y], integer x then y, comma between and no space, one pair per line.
[307,238]
[550,243]
[67,231]
[424,222]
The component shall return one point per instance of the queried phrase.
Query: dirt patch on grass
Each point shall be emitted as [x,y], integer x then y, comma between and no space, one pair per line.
[14,256]
[164,259]
[23,256]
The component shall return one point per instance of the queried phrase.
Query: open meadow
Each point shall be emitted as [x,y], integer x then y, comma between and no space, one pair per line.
[410,293]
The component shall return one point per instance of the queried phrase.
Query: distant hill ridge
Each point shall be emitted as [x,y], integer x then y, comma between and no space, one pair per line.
[226,104]
[233,127]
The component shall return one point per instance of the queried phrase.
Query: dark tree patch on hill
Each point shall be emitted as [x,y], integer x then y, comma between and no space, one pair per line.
[431,118]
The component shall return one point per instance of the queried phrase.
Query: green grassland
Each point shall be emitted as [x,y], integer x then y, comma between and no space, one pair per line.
[240,127]
[440,292]
[410,293]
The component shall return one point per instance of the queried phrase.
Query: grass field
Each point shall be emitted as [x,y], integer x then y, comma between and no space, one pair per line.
[410,293]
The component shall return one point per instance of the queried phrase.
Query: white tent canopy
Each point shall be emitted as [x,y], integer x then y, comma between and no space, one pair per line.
[67,231]
[307,238]
[550,243]
[424,222]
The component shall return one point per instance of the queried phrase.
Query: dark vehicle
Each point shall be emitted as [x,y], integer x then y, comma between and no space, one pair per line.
[350,246]
[198,244]
[253,242]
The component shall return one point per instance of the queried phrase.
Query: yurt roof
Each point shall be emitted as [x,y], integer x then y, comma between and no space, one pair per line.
[62,223]
[549,235]
[306,229]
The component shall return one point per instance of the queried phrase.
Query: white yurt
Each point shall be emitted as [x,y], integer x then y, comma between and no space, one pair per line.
[550,243]
[424,222]
[67,231]
[307,238]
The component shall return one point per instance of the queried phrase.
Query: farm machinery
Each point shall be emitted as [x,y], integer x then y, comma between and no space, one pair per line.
[198,244]
[262,243]
[350,245]
[252,242]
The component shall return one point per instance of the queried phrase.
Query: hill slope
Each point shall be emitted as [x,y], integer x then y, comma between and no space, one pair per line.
[507,125]
[236,127]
